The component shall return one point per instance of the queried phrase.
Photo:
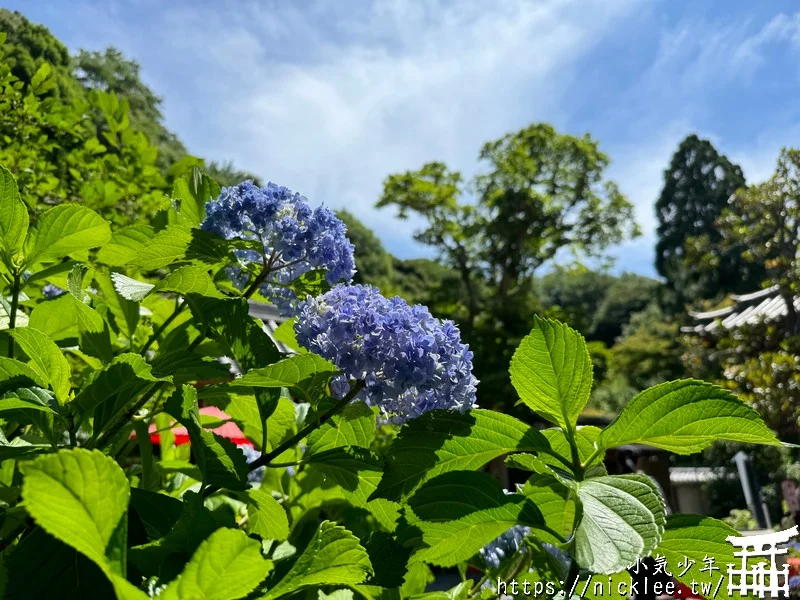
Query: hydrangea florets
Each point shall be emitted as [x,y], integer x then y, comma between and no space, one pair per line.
[507,544]
[50,291]
[295,238]
[411,362]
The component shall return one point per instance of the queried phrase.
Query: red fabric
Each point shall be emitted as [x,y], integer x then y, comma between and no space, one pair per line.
[228,430]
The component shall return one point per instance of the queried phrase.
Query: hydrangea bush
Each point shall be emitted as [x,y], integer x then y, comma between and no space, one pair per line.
[359,472]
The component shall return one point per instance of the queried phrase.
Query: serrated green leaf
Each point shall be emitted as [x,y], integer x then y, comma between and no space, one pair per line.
[229,323]
[94,334]
[220,461]
[354,426]
[189,279]
[556,503]
[243,409]
[13,215]
[131,289]
[334,556]
[158,512]
[389,559]
[58,318]
[125,245]
[15,373]
[552,372]
[285,335]
[696,537]
[356,470]
[265,516]
[79,497]
[192,192]
[226,566]
[65,230]
[623,520]
[288,372]
[441,441]
[458,513]
[685,417]
[31,398]
[185,366]
[343,594]
[48,360]
[166,247]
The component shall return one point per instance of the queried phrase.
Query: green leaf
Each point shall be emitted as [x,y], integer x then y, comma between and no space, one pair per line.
[458,513]
[27,399]
[157,512]
[389,559]
[354,426]
[14,374]
[226,566]
[115,387]
[685,417]
[623,519]
[13,215]
[193,191]
[356,470]
[333,557]
[185,366]
[552,372]
[65,230]
[243,409]
[220,461]
[94,334]
[265,516]
[166,247]
[125,245]
[556,504]
[230,324]
[124,310]
[695,537]
[58,318]
[284,334]
[189,279]
[442,441]
[79,497]
[48,360]
[131,289]
[288,372]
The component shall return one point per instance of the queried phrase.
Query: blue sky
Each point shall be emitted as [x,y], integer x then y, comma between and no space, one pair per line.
[329,98]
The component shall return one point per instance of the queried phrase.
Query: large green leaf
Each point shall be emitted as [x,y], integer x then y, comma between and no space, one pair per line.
[189,279]
[354,426]
[125,245]
[15,373]
[131,289]
[556,503]
[356,470]
[47,359]
[552,372]
[265,516]
[79,497]
[13,215]
[623,520]
[64,230]
[243,409]
[696,537]
[57,318]
[288,372]
[157,512]
[442,441]
[220,461]
[31,398]
[334,556]
[94,333]
[226,566]
[124,310]
[458,513]
[684,417]
[167,246]
[192,192]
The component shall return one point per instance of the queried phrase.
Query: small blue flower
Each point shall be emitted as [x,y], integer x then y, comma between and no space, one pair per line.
[295,238]
[410,361]
[50,291]
[794,582]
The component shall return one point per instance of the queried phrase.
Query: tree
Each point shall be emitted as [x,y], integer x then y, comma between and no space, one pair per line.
[689,253]
[373,261]
[763,221]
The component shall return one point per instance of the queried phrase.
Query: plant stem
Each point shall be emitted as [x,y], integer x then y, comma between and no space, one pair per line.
[265,459]
[124,419]
[12,317]
[167,322]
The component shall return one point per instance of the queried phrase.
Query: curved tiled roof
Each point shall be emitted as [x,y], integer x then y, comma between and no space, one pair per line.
[764,305]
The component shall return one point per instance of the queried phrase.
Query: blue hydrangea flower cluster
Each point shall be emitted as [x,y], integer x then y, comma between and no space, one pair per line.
[505,545]
[794,582]
[295,238]
[410,362]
